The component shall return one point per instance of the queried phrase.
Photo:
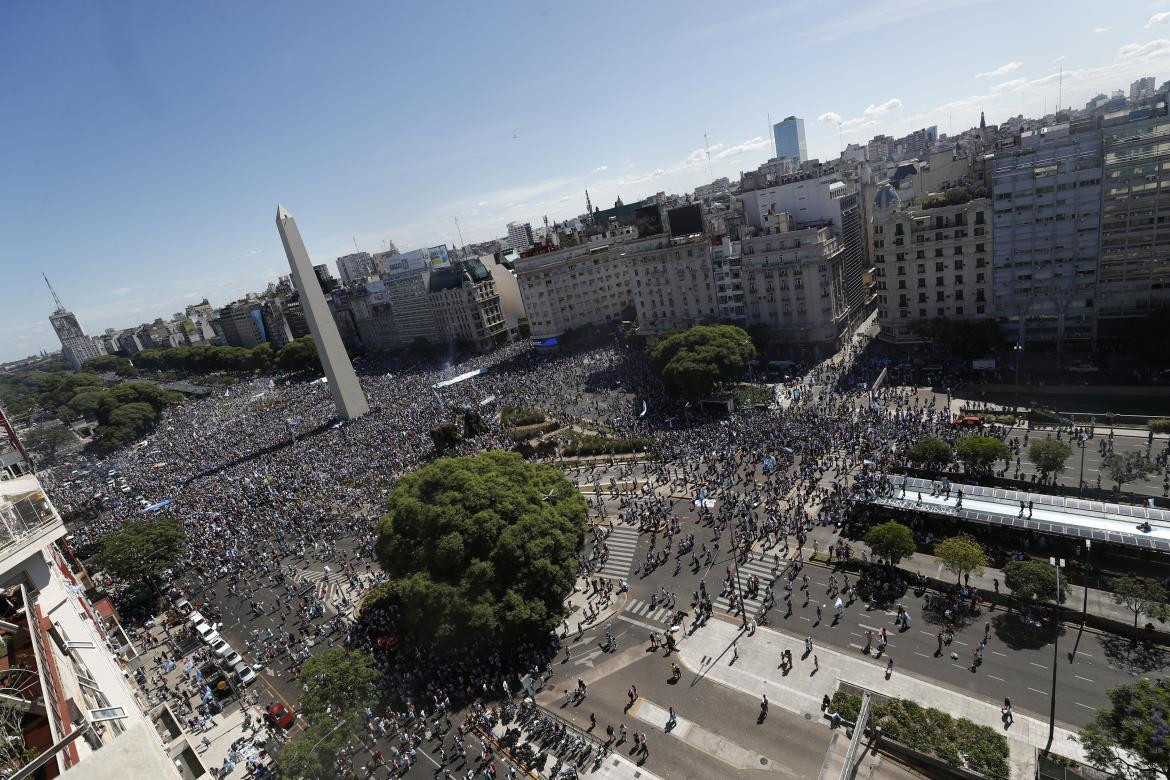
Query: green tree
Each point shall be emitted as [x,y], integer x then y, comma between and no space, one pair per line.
[961,555]
[1131,737]
[1049,456]
[136,418]
[694,362]
[1141,595]
[931,451]
[1160,425]
[143,549]
[481,547]
[339,683]
[94,404]
[1033,581]
[891,541]
[47,439]
[445,436]
[1125,467]
[103,363]
[312,754]
[979,453]
[299,355]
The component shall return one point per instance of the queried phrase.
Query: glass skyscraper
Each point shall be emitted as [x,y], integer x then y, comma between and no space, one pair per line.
[790,139]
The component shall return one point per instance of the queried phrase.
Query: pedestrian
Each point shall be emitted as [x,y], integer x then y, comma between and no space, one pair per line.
[889,666]
[764,705]
[1008,717]
[673,718]
[816,665]
[808,645]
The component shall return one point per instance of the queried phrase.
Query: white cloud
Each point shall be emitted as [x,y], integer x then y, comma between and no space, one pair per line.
[600,168]
[830,117]
[751,145]
[1098,30]
[1149,50]
[1061,58]
[1010,84]
[1159,18]
[1002,70]
[881,108]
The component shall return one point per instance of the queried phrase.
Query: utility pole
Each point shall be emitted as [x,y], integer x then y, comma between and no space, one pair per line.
[1055,655]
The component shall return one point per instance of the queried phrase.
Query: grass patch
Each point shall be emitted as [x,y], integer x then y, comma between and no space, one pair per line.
[1160,425]
[746,395]
[520,416]
[524,432]
[587,444]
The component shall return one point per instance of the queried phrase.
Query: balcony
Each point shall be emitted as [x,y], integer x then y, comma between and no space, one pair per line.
[28,521]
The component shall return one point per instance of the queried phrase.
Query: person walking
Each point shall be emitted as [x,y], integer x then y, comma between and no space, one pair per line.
[1008,717]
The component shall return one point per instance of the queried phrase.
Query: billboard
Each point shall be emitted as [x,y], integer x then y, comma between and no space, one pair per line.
[437,255]
[648,220]
[685,220]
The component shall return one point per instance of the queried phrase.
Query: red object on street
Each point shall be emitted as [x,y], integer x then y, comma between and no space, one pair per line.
[280,715]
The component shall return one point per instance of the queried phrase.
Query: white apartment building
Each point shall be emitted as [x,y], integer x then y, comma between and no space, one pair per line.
[355,267]
[578,285]
[930,263]
[793,279]
[67,693]
[519,236]
[672,284]
[75,345]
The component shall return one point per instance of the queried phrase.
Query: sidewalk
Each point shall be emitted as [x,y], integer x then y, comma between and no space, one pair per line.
[756,673]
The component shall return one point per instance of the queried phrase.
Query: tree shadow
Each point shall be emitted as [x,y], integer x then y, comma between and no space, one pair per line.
[1019,634]
[1135,656]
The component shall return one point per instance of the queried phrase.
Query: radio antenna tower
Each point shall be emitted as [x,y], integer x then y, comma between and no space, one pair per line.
[60,306]
[707,146]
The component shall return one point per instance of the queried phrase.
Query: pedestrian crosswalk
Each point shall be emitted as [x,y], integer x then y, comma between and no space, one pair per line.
[326,586]
[759,568]
[642,609]
[621,542]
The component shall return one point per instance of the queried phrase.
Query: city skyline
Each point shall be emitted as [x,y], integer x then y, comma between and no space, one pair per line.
[148,166]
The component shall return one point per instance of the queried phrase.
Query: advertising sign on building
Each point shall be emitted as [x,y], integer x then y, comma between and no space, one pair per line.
[438,256]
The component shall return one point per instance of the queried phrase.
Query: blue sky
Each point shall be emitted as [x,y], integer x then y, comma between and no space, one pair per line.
[144,146]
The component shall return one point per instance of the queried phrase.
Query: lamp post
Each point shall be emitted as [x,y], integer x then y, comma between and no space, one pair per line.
[1018,348]
[1081,482]
[1058,564]
[1085,605]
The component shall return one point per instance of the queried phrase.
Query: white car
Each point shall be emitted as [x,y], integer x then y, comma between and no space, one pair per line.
[207,633]
[221,647]
[245,673]
[230,660]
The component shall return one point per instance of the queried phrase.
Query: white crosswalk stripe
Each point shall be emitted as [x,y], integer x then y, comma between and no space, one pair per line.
[643,609]
[621,542]
[761,569]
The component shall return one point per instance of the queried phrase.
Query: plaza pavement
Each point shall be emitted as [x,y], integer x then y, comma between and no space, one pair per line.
[708,654]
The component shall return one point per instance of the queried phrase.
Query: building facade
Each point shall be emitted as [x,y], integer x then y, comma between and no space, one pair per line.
[75,345]
[466,305]
[931,263]
[1047,218]
[519,236]
[672,284]
[789,135]
[355,267]
[1134,272]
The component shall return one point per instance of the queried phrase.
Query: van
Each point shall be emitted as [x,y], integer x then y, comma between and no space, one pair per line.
[196,619]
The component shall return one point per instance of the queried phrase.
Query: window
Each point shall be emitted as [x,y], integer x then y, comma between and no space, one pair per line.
[938,251]
[922,297]
[958,265]
[958,278]
[922,268]
[921,282]
[940,296]
[938,267]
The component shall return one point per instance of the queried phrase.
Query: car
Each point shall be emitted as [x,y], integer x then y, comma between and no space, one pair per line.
[221,647]
[230,660]
[279,715]
[244,673]
[207,633]
[196,617]
[184,607]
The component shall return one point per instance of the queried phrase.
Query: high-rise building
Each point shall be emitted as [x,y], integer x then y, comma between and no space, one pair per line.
[1134,273]
[1142,88]
[932,262]
[790,139]
[355,267]
[75,345]
[466,305]
[519,236]
[1047,217]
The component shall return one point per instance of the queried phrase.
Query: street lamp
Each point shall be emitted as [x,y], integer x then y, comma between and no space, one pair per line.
[1081,482]
[1018,348]
[1058,564]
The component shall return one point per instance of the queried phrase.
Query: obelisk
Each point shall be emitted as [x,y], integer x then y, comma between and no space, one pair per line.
[343,382]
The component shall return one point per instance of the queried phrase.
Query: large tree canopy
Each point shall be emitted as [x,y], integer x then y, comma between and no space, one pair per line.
[891,540]
[481,547]
[143,549]
[1131,737]
[693,362]
[979,453]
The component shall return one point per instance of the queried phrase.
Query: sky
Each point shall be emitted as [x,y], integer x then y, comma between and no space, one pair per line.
[144,146]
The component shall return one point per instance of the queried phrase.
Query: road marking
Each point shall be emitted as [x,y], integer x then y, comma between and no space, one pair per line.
[996,652]
[1042,666]
[1086,679]
[924,655]
[871,628]
[992,676]
[1042,693]
[926,632]
[628,619]
[960,667]
[960,642]
[1086,706]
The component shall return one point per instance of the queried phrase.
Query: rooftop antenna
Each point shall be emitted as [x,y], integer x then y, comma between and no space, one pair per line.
[60,306]
[459,230]
[707,146]
[355,246]
[1059,88]
[841,139]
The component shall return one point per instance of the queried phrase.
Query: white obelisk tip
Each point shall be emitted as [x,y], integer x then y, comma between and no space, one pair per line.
[281,213]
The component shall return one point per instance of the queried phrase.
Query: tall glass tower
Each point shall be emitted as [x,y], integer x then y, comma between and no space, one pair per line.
[790,139]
